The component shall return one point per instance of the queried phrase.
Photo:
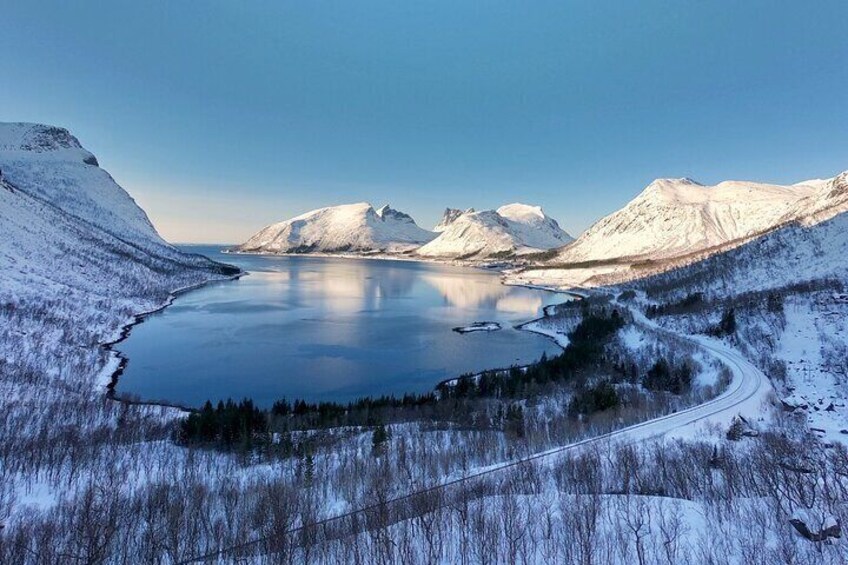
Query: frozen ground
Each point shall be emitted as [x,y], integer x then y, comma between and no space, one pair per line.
[86,479]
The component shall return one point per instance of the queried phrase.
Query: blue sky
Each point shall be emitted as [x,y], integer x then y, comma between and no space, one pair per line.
[221,117]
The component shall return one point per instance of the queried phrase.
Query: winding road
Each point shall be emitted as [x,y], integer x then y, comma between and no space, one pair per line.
[745,395]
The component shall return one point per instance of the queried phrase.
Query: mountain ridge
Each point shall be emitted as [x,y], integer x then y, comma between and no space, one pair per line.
[357,227]
[360,228]
[581,263]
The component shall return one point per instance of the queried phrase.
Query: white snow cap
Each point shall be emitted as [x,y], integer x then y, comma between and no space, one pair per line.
[521,212]
[673,217]
[514,229]
[356,228]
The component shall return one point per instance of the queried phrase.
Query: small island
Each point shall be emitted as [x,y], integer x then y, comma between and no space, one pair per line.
[478,327]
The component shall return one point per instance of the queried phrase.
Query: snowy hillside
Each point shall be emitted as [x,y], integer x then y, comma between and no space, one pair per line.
[50,164]
[829,199]
[792,255]
[812,246]
[678,222]
[348,228]
[677,216]
[514,229]
[72,239]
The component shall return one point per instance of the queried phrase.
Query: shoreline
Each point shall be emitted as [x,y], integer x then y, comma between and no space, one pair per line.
[500,267]
[125,330]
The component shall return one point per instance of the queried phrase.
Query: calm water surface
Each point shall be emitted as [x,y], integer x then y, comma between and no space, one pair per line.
[328,329]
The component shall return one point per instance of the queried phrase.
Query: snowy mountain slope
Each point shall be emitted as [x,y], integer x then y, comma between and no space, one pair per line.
[346,228]
[679,222]
[49,163]
[77,257]
[673,217]
[513,229]
[532,228]
[829,199]
[790,255]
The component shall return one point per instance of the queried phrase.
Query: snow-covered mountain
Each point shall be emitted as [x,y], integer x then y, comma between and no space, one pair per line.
[514,229]
[49,163]
[676,222]
[78,258]
[674,217]
[355,228]
[829,199]
[790,255]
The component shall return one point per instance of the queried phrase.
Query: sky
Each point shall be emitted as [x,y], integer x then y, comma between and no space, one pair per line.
[222,117]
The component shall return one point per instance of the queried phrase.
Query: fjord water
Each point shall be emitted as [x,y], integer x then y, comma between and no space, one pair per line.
[328,329]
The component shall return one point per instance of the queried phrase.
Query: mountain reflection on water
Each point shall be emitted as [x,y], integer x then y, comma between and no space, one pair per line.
[329,329]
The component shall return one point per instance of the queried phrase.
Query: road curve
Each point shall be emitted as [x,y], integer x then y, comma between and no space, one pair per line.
[745,394]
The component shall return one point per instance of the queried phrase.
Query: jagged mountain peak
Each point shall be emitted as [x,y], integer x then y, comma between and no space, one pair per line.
[839,185]
[512,229]
[387,212]
[355,228]
[449,216]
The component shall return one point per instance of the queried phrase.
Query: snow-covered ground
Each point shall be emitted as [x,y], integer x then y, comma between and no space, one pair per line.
[84,478]
[813,347]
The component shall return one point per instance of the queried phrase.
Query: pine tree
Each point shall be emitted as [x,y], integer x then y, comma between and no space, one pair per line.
[727,326]
[379,439]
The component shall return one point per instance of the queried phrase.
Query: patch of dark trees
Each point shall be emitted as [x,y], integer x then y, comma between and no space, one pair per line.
[685,305]
[228,425]
[663,377]
[727,325]
[584,352]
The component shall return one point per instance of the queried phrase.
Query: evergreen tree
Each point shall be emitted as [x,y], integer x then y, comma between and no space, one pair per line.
[727,326]
[379,439]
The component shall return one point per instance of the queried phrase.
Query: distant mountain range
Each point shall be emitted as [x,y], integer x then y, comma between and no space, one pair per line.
[509,231]
[671,222]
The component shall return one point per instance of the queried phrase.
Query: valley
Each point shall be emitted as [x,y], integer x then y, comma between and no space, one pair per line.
[664,378]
